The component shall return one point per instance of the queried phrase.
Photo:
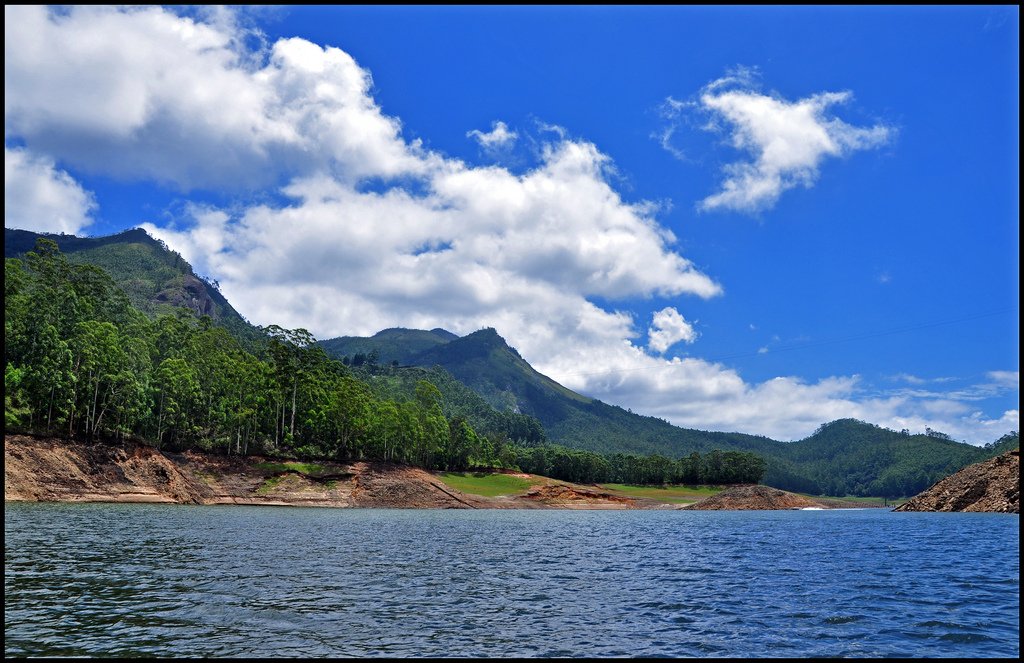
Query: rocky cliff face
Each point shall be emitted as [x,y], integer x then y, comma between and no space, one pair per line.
[993,485]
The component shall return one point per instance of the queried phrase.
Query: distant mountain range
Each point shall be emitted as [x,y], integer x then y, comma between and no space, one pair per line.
[842,457]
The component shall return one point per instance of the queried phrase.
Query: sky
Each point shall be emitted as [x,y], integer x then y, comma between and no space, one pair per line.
[735,219]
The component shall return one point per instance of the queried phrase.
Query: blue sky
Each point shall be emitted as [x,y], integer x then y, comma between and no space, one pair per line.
[732,218]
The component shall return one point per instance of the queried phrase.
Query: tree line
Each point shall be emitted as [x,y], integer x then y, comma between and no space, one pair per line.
[82,361]
[579,466]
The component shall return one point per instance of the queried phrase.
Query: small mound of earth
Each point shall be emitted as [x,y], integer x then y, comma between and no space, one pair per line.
[755,498]
[992,485]
[561,495]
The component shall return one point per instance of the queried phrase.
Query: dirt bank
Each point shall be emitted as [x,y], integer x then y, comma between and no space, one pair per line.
[992,485]
[53,470]
[757,498]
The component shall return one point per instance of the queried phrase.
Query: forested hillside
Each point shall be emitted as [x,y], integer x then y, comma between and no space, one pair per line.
[845,457]
[82,361]
[216,382]
[156,279]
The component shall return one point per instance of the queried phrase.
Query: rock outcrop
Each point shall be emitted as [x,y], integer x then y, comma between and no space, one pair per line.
[992,485]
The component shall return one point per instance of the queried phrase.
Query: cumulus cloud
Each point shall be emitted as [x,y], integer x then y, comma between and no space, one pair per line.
[39,196]
[161,96]
[498,137]
[699,394]
[485,247]
[435,242]
[786,141]
[668,327]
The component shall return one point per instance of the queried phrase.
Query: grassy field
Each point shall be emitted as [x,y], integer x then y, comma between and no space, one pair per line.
[669,494]
[485,483]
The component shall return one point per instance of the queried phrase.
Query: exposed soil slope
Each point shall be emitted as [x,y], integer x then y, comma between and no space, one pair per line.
[53,470]
[992,485]
[756,498]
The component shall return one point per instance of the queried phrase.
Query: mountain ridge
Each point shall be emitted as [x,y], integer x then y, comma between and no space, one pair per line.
[155,278]
[843,457]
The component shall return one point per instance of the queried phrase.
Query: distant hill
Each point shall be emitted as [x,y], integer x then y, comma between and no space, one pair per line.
[844,457]
[156,279]
[391,345]
[852,457]
[1008,442]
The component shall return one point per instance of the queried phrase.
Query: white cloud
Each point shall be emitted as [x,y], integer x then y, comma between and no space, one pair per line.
[910,379]
[38,196]
[668,327]
[484,247]
[498,137]
[699,394]
[144,93]
[786,140]
[1005,379]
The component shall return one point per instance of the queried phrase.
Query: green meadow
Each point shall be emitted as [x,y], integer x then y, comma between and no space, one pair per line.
[485,483]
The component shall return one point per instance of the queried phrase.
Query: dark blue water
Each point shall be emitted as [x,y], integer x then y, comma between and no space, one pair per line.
[124,580]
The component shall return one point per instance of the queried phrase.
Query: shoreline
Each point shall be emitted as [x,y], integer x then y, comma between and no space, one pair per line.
[47,469]
[44,469]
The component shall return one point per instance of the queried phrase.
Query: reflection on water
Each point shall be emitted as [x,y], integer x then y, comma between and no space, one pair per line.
[169,580]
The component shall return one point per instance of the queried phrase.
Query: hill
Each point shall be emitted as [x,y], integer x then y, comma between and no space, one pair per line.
[487,382]
[992,485]
[156,279]
[390,345]
[844,457]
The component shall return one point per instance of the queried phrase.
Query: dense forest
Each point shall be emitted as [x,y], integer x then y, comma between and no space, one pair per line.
[82,360]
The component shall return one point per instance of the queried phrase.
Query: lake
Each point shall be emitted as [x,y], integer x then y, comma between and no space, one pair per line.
[170,580]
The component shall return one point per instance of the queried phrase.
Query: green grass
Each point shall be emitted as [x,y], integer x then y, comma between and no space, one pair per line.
[302,468]
[268,485]
[485,483]
[670,494]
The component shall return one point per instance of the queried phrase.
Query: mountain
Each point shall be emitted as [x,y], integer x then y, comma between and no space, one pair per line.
[489,366]
[850,457]
[844,457]
[480,371]
[392,345]
[156,279]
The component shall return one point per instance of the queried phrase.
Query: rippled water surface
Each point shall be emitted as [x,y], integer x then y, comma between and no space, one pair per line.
[134,579]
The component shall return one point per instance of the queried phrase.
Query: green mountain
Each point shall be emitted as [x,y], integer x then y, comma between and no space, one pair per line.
[391,345]
[494,370]
[156,279]
[486,381]
[844,457]
[856,458]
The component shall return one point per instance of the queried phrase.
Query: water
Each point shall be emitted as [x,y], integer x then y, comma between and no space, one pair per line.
[134,579]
